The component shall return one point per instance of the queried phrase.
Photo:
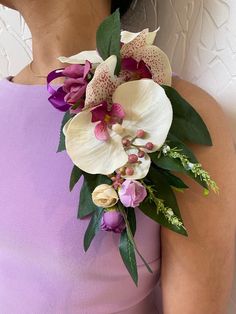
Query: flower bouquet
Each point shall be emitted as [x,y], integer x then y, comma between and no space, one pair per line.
[125,129]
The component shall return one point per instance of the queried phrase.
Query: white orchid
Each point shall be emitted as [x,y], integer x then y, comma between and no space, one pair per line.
[98,148]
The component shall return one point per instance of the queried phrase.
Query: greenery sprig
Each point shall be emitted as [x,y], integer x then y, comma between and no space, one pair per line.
[195,168]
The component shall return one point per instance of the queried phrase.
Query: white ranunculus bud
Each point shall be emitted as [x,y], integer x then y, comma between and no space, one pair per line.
[105,196]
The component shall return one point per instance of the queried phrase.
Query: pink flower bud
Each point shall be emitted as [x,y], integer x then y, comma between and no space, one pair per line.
[132,193]
[112,220]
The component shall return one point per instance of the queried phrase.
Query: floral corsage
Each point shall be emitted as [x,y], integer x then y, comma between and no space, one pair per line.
[125,129]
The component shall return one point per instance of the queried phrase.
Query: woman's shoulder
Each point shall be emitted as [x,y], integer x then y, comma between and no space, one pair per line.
[211,112]
[219,160]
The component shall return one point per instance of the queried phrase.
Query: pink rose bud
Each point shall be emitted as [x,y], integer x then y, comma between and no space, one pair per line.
[132,193]
[112,220]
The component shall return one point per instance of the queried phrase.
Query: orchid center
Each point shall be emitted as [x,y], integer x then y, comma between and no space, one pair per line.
[135,70]
[106,116]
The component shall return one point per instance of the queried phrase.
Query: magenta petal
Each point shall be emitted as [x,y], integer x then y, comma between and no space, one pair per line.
[75,95]
[117,111]
[87,68]
[74,71]
[101,131]
[71,83]
[129,64]
[99,112]
[143,70]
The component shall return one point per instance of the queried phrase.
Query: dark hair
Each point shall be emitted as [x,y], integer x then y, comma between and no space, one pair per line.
[123,5]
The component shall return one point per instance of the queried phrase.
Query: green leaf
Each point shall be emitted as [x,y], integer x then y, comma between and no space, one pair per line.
[93,227]
[187,123]
[130,235]
[108,38]
[164,192]
[173,181]
[149,209]
[65,119]
[127,253]
[76,174]
[171,164]
[86,204]
[173,141]
[132,219]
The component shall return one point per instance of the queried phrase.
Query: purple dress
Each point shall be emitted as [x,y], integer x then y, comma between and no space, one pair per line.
[43,268]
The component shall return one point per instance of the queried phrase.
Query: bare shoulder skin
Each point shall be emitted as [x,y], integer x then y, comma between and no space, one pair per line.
[197,271]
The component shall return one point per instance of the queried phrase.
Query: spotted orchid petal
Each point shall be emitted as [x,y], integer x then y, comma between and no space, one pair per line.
[158,63]
[154,57]
[89,153]
[91,55]
[146,107]
[137,42]
[103,84]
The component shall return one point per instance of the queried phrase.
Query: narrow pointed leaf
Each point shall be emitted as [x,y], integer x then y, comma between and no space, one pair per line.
[93,227]
[127,253]
[130,235]
[173,180]
[164,192]
[76,174]
[149,209]
[171,164]
[66,118]
[132,219]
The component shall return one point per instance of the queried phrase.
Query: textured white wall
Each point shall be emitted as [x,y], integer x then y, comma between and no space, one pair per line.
[15,42]
[199,37]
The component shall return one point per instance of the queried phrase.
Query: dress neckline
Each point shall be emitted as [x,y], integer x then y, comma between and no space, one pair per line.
[7,82]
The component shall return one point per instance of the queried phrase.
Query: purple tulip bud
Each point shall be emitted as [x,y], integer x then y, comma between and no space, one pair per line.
[112,220]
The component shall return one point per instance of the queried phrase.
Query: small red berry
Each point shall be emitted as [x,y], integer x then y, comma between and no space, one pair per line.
[149,146]
[126,142]
[140,133]
[129,171]
[141,153]
[133,158]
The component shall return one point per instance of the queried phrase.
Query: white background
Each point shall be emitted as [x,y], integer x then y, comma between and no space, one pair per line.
[199,37]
